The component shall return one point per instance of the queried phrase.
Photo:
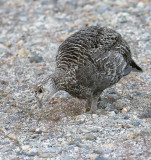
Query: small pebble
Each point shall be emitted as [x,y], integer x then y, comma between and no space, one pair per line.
[125,109]
[38,72]
[75,141]
[18,153]
[102,104]
[53,149]
[2,46]
[36,59]
[112,97]
[127,117]
[136,123]
[98,150]
[66,158]
[32,154]
[12,136]
[138,93]
[25,147]
[144,133]
[103,8]
[92,156]
[93,129]
[146,114]
[87,8]
[100,158]
[90,137]
[94,116]
[8,54]
[120,104]
[140,4]
[22,53]
[14,118]
[112,113]
[20,43]
[45,155]
[123,19]
[146,39]
[76,149]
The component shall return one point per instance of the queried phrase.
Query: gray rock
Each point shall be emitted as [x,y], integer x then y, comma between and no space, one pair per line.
[103,8]
[45,155]
[144,133]
[98,150]
[53,149]
[8,54]
[38,72]
[21,153]
[120,104]
[136,123]
[100,158]
[66,158]
[127,117]
[113,97]
[147,113]
[76,141]
[123,19]
[90,137]
[33,136]
[36,59]
[43,3]
[102,104]
[146,39]
[93,129]
[32,154]
[138,93]
[14,118]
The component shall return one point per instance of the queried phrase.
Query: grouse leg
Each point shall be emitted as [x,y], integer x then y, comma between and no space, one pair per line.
[91,105]
[94,102]
[88,105]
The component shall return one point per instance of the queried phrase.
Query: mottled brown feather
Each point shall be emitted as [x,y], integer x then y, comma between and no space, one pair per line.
[90,61]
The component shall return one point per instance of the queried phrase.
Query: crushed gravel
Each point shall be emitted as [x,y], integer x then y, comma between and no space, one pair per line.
[34,127]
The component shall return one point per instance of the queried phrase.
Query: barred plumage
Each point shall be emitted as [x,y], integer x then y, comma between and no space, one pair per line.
[90,61]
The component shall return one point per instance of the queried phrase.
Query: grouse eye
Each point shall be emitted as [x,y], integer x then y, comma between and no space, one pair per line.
[39,89]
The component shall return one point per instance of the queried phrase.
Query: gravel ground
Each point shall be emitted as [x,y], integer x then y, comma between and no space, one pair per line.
[34,127]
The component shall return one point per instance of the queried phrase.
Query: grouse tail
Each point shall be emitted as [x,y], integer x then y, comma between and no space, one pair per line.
[135,67]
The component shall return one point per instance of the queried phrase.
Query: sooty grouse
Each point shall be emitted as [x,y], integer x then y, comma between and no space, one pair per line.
[90,61]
